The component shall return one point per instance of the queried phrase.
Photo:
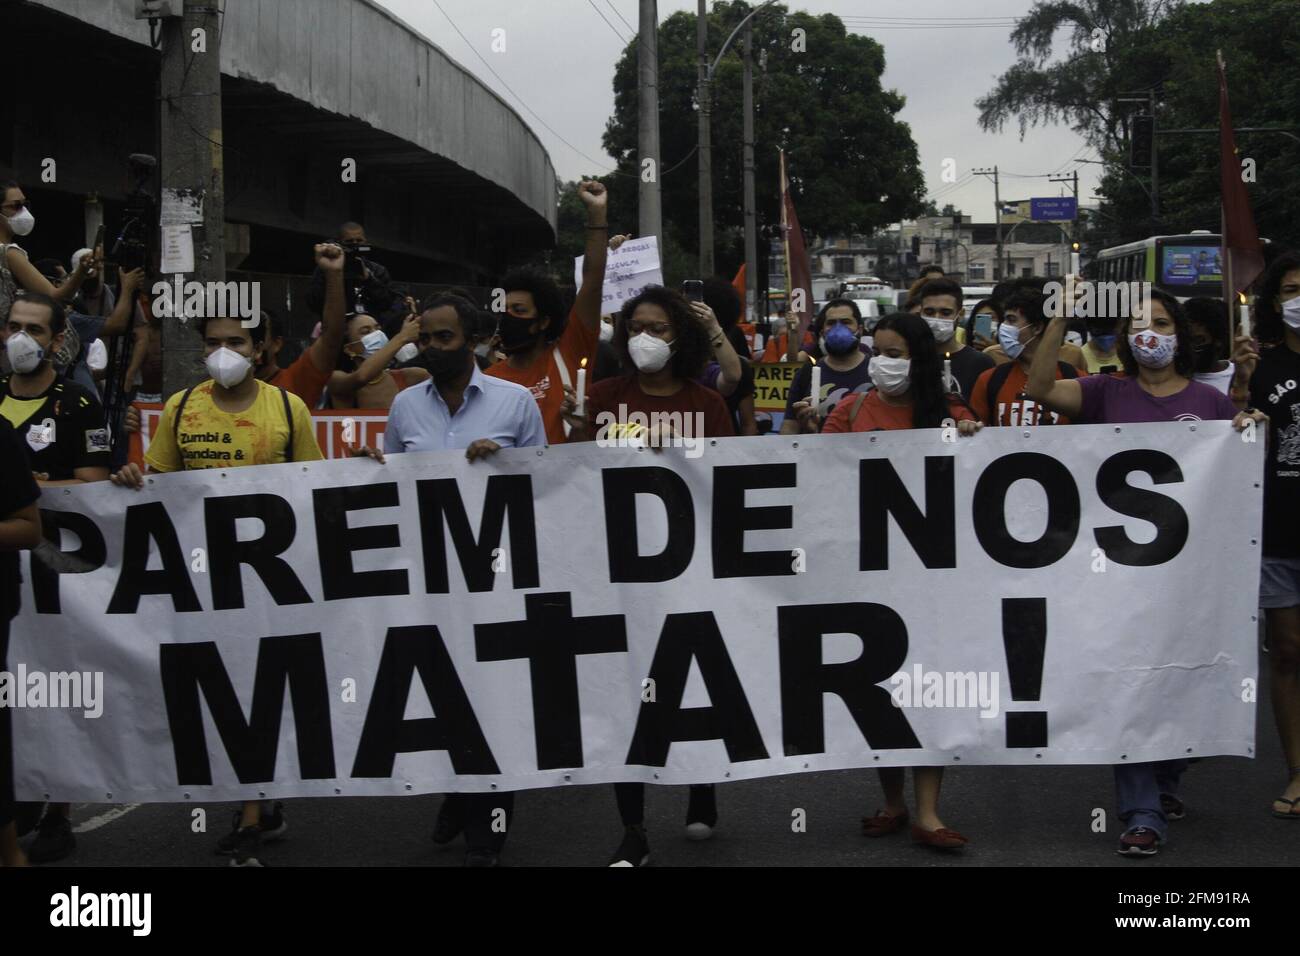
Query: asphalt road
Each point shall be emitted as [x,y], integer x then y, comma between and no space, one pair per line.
[1014,816]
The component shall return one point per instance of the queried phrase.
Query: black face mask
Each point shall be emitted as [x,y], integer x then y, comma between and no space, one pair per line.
[445,365]
[1206,358]
[514,334]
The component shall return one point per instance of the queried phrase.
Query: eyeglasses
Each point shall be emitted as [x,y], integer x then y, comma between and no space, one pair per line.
[657,329]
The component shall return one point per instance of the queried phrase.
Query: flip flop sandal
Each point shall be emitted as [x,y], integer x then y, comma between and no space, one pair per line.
[1293,813]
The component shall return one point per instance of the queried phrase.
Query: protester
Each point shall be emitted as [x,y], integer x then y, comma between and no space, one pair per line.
[909,393]
[985,309]
[1273,389]
[62,424]
[309,374]
[844,368]
[367,285]
[941,306]
[1099,351]
[998,397]
[1208,319]
[459,406]
[96,297]
[660,335]
[1159,359]
[231,420]
[20,529]
[16,272]
[544,346]
[365,377]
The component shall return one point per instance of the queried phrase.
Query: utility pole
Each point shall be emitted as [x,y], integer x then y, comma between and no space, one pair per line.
[1148,98]
[1074,223]
[704,96]
[190,155]
[997,209]
[751,213]
[650,212]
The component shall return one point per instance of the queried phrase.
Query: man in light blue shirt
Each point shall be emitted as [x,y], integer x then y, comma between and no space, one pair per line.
[459,407]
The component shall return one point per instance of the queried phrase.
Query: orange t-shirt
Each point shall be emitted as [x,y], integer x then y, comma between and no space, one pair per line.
[1013,408]
[303,379]
[542,378]
[875,415]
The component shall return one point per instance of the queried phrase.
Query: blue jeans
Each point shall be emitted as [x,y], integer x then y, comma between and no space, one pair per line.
[1137,792]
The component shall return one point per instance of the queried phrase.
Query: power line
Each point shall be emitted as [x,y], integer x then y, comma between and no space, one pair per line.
[507,86]
[620,16]
[592,4]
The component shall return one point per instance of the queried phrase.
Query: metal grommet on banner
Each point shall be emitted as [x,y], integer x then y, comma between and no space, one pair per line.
[714,442]
[1123,756]
[1026,434]
[1193,428]
[304,467]
[873,439]
[187,796]
[493,786]
[539,453]
[727,774]
[1118,429]
[337,791]
[109,796]
[261,794]
[1252,541]
[794,444]
[67,491]
[567,778]
[1038,756]
[656,776]
[408,786]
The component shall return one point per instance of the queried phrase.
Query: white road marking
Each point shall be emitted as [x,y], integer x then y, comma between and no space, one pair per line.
[94,823]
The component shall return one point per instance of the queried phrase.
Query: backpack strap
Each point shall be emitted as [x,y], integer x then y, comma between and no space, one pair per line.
[176,421]
[857,407]
[288,417]
[564,380]
[999,378]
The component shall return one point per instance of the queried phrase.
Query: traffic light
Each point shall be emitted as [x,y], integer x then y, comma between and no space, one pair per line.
[1142,141]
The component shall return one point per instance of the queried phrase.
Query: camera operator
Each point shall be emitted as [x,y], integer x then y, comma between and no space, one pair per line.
[366,283]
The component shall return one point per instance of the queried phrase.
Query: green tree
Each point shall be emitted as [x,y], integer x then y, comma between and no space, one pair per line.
[853,165]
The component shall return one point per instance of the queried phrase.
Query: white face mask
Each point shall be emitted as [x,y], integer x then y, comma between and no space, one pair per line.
[649,353]
[21,223]
[1151,349]
[407,352]
[1291,313]
[227,367]
[943,329]
[24,354]
[606,331]
[1009,339]
[891,375]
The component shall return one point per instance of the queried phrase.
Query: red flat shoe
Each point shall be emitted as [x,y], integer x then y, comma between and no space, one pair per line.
[941,839]
[882,824]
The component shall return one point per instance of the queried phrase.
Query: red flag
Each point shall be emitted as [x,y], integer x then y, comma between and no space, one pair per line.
[738,284]
[798,273]
[1243,258]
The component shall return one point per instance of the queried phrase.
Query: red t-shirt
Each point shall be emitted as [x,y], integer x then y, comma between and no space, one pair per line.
[621,395]
[1013,408]
[875,415]
[303,379]
[543,378]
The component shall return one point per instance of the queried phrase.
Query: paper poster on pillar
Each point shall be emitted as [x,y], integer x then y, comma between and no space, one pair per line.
[581,614]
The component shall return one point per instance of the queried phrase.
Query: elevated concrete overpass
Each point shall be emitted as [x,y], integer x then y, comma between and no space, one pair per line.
[452,185]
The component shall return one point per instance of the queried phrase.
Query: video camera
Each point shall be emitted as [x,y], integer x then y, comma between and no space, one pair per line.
[133,247]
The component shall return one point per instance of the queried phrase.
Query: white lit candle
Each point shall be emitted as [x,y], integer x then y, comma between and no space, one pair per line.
[581,408]
[758,343]
[1074,263]
[815,389]
[1245,316]
[947,371]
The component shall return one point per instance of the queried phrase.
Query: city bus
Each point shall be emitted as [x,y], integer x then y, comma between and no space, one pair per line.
[1184,266]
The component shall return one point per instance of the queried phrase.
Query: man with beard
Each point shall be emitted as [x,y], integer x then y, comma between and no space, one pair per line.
[544,347]
[461,407]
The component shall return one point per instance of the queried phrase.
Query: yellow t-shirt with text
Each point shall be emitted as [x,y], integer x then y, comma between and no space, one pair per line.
[211,438]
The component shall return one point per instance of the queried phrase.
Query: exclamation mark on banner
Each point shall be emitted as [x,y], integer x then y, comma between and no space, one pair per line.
[1024,635]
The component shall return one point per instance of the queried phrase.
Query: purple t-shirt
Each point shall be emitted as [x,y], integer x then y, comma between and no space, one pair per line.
[1117,400]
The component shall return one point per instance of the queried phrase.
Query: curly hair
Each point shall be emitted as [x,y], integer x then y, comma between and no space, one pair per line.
[691,348]
[929,399]
[546,296]
[1268,317]
[1184,353]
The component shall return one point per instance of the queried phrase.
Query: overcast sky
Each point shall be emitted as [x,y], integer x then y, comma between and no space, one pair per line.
[560,57]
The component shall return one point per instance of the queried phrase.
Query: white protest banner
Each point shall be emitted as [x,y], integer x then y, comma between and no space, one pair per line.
[584,614]
[628,269]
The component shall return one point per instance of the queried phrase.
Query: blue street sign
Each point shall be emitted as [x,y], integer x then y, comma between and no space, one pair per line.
[1053,209]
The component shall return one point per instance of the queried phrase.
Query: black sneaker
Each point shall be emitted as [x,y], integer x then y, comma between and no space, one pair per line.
[247,843]
[1140,841]
[271,827]
[54,840]
[634,850]
[701,812]
[447,827]
[1172,807]
[480,857]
